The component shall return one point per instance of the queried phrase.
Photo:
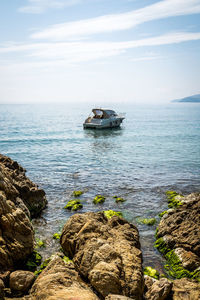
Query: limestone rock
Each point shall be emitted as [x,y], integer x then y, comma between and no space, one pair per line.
[21,281]
[106,252]
[16,234]
[59,280]
[158,289]
[180,231]
[19,189]
[185,289]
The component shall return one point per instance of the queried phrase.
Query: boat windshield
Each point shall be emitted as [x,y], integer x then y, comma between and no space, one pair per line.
[103,113]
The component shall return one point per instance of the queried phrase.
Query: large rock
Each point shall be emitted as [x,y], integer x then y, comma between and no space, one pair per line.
[185,289]
[19,199]
[106,252]
[21,281]
[16,235]
[20,189]
[157,289]
[179,237]
[60,281]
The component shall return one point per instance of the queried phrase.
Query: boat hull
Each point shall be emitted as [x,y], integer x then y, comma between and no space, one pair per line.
[102,125]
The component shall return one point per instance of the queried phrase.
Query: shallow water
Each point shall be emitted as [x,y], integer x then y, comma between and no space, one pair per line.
[156,149]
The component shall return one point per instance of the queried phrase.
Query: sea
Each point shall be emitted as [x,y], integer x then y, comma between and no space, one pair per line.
[156,149]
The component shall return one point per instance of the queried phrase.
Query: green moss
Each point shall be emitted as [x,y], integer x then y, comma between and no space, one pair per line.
[161,246]
[174,199]
[77,193]
[175,269]
[163,213]
[42,266]
[174,266]
[67,259]
[146,221]
[119,199]
[110,213]
[40,243]
[99,199]
[151,272]
[33,261]
[74,205]
[56,236]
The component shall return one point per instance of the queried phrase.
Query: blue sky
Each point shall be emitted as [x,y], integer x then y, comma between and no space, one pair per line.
[99,51]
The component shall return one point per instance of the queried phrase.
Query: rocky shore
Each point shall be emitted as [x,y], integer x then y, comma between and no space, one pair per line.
[101,256]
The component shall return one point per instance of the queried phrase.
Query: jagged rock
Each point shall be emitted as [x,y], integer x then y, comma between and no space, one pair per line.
[157,289]
[179,237]
[59,280]
[106,252]
[2,286]
[21,281]
[20,189]
[185,289]
[16,234]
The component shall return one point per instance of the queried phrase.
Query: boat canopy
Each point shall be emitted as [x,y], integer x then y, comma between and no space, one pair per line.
[104,113]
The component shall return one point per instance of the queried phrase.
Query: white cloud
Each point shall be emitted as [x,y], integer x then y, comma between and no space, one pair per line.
[63,53]
[116,22]
[39,6]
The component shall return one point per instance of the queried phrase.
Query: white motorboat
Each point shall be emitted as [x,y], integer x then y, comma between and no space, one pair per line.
[103,118]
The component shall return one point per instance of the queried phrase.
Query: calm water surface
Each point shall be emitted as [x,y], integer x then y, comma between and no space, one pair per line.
[156,149]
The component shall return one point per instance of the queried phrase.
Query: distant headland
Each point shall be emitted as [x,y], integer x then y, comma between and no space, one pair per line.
[191,99]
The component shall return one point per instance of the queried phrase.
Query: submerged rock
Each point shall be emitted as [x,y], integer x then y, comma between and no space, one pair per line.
[106,252]
[20,189]
[179,238]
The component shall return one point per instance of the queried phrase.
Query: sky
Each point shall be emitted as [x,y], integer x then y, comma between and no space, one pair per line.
[99,51]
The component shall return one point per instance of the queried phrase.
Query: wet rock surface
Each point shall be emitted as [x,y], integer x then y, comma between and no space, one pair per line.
[179,238]
[106,252]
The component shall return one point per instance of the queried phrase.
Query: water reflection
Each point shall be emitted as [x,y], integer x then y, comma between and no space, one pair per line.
[105,133]
[104,140]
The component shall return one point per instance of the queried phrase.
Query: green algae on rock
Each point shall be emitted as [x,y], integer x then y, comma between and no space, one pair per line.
[174,199]
[66,259]
[110,213]
[40,243]
[99,199]
[119,199]
[163,213]
[146,221]
[77,193]
[151,272]
[33,261]
[175,269]
[56,236]
[42,266]
[74,205]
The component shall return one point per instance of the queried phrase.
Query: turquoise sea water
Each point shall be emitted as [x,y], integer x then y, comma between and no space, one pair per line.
[156,149]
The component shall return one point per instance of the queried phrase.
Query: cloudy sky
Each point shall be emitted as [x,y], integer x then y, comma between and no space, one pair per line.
[99,50]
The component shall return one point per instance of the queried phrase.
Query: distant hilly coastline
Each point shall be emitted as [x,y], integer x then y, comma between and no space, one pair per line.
[191,99]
